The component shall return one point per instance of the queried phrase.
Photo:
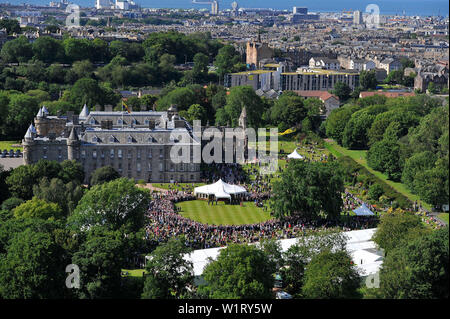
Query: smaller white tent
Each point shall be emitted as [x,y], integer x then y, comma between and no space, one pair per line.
[295,155]
[219,189]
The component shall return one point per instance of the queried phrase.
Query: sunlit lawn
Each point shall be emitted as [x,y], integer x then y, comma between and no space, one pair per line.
[223,214]
[360,158]
[7,145]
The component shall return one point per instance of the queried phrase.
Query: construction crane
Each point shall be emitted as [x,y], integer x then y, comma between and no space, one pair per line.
[214,5]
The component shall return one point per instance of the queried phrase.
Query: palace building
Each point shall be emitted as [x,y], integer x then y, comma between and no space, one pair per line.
[136,144]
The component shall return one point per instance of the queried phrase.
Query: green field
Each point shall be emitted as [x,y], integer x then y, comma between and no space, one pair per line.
[444,217]
[7,145]
[223,214]
[360,158]
[133,272]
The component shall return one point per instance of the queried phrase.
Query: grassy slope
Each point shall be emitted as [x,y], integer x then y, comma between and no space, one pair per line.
[360,158]
[6,145]
[223,214]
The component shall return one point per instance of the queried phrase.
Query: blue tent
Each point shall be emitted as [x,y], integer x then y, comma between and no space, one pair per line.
[363,210]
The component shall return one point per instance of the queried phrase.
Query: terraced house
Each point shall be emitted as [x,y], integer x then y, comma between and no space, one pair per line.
[136,144]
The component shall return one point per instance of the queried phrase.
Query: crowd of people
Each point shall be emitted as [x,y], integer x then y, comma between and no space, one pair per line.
[352,202]
[164,222]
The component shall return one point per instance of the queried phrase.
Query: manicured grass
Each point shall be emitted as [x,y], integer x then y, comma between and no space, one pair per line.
[7,145]
[444,217]
[360,158]
[223,214]
[134,272]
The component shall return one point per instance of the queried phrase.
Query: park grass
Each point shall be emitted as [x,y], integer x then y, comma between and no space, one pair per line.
[7,145]
[223,214]
[360,158]
[443,217]
[134,272]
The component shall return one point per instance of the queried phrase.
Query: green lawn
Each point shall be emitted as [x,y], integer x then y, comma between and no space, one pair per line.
[7,145]
[223,214]
[134,272]
[444,217]
[360,158]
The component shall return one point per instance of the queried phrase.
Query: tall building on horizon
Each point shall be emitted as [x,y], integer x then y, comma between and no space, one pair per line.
[357,17]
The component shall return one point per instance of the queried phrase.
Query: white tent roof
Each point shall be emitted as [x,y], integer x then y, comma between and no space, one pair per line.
[295,155]
[220,189]
[362,249]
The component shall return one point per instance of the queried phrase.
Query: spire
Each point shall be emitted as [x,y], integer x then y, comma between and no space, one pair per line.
[73,135]
[29,134]
[32,129]
[40,113]
[84,112]
[44,110]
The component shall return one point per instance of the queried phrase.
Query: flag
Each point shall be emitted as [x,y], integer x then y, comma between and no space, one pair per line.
[126,106]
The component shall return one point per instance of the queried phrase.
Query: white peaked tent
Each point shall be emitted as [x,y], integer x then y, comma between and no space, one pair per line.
[295,155]
[220,190]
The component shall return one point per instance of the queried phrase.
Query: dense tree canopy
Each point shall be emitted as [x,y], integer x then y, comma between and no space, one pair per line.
[308,189]
[112,205]
[418,269]
[240,271]
[168,273]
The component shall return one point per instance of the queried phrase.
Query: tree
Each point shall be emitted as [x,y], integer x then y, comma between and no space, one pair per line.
[397,227]
[288,111]
[417,269]
[86,91]
[375,191]
[200,69]
[432,185]
[20,182]
[297,257]
[331,275]
[100,259]
[308,189]
[355,135]
[48,49]
[168,273]
[17,50]
[239,97]
[368,80]
[240,272]
[417,163]
[103,175]
[342,91]
[33,267]
[385,156]
[337,120]
[38,208]
[11,25]
[196,112]
[113,205]
[71,171]
[11,203]
[55,191]
[228,61]
[77,49]
[21,112]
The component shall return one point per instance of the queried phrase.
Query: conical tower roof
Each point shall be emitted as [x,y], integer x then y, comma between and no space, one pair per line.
[84,112]
[73,135]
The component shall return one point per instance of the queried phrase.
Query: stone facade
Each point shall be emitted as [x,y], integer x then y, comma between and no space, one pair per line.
[317,80]
[138,144]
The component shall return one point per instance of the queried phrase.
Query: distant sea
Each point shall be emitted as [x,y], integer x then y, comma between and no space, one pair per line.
[387,7]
